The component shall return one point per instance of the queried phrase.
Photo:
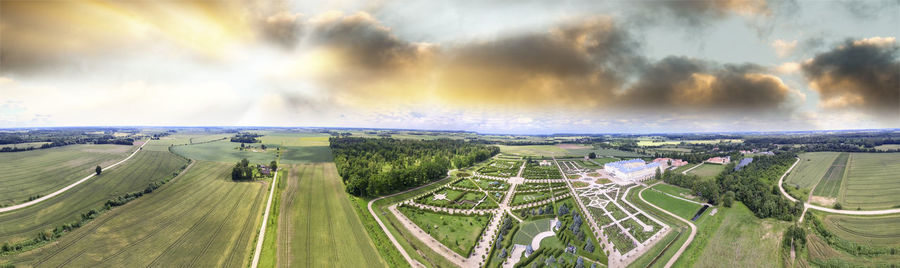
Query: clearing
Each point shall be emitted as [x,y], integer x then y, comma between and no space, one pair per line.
[743,240]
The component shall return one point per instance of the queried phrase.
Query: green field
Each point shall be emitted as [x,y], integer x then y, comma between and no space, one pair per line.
[681,208]
[743,240]
[872,181]
[457,232]
[317,226]
[676,191]
[202,218]
[528,229]
[880,231]
[163,143]
[40,172]
[708,171]
[132,175]
[830,185]
[224,151]
[811,169]
[26,145]
[888,147]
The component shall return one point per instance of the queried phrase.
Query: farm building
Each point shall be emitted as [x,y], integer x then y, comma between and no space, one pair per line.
[545,163]
[263,169]
[634,169]
[719,160]
[744,162]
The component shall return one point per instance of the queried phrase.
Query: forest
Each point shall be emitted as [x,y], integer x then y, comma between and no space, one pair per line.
[379,166]
[755,185]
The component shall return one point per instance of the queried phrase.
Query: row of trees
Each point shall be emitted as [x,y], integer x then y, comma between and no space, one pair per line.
[243,137]
[377,166]
[755,185]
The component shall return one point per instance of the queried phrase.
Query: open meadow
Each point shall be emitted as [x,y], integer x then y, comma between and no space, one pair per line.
[133,175]
[43,171]
[201,218]
[872,181]
[743,240]
[681,208]
[707,170]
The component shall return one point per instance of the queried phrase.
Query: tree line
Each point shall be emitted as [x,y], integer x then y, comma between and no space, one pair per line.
[756,185]
[378,166]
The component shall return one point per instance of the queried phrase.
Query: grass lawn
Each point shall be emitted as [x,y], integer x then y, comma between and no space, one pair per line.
[528,229]
[133,175]
[872,181]
[743,240]
[708,171]
[811,169]
[676,191]
[317,226]
[200,219]
[457,232]
[41,172]
[681,208]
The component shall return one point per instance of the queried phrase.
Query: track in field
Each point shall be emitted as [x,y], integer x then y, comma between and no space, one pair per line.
[286,231]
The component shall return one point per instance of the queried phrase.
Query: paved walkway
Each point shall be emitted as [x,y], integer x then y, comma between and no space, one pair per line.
[64,189]
[829,210]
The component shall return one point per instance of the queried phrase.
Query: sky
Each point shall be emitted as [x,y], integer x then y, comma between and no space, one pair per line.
[517,67]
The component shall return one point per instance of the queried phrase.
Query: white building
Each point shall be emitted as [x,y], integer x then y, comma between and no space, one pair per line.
[633,170]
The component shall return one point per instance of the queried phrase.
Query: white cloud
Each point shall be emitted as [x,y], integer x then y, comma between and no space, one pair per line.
[784,48]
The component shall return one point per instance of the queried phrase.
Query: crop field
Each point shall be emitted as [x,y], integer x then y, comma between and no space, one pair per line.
[743,240]
[40,172]
[25,145]
[872,181]
[830,185]
[708,171]
[562,150]
[811,169]
[823,254]
[162,144]
[882,231]
[885,147]
[317,226]
[457,232]
[202,218]
[295,139]
[224,151]
[132,175]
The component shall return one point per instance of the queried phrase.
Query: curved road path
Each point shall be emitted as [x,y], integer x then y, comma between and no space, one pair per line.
[64,189]
[829,210]
[690,237]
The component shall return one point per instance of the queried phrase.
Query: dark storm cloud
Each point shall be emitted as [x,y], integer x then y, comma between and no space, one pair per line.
[362,40]
[685,84]
[283,29]
[869,9]
[858,74]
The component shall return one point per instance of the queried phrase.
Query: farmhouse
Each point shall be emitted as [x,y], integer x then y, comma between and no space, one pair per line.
[634,169]
[719,160]
[263,169]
